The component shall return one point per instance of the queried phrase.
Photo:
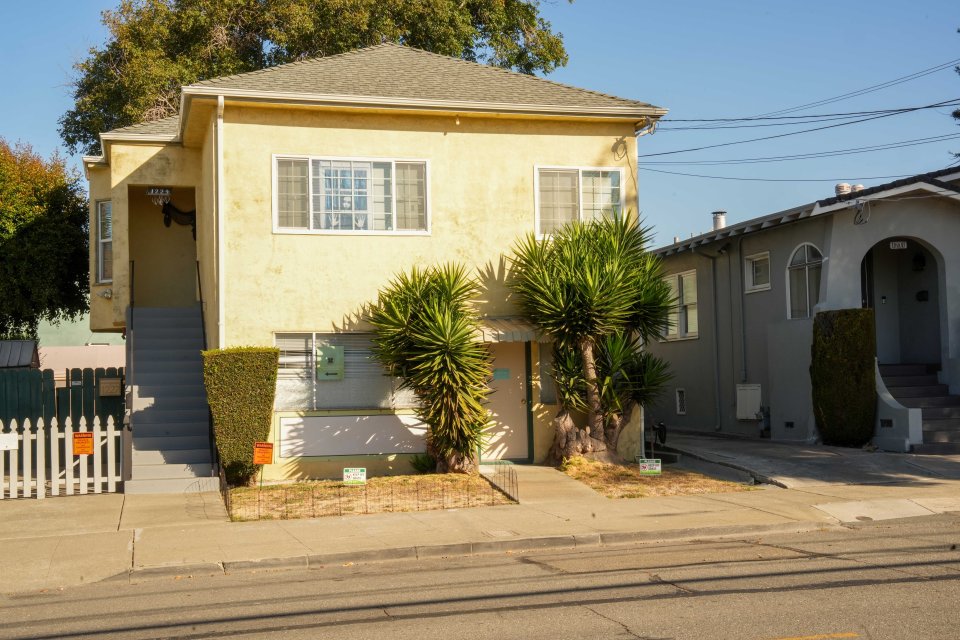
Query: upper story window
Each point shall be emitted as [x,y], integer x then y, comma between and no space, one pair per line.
[104,241]
[803,281]
[330,195]
[568,194]
[683,317]
[757,272]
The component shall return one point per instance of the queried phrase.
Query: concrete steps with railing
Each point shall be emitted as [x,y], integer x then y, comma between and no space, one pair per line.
[917,386]
[168,412]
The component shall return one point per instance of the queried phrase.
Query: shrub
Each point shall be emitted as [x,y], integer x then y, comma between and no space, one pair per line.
[425,327]
[241,383]
[842,375]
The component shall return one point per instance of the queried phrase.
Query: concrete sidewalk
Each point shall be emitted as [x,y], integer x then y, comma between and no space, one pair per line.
[81,539]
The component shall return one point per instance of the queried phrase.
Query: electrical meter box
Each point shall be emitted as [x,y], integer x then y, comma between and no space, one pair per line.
[329,363]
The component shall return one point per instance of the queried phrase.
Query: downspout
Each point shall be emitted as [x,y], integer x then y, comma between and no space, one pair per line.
[716,336]
[221,283]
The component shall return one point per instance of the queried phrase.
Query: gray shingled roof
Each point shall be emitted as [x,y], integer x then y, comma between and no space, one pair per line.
[169,126]
[17,353]
[394,71]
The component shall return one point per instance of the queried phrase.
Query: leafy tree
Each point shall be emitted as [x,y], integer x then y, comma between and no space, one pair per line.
[586,283]
[425,328]
[43,241]
[155,46]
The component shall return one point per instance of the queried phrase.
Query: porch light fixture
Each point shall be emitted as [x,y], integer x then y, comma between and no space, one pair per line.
[159,195]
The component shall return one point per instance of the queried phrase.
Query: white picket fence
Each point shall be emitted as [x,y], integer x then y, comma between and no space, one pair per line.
[38,459]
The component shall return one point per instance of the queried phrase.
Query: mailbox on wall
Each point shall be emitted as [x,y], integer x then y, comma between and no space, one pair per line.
[329,363]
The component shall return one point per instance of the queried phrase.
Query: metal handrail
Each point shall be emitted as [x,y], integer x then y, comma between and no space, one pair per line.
[214,455]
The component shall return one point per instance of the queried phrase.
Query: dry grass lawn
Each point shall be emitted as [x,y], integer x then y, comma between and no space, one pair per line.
[625,481]
[320,498]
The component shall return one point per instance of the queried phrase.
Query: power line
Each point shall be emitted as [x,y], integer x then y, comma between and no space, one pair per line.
[784,135]
[793,120]
[870,89]
[697,175]
[816,154]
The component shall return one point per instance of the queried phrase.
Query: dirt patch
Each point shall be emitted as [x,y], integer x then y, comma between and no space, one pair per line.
[625,480]
[380,495]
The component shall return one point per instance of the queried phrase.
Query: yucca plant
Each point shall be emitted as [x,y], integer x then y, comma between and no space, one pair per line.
[425,329]
[587,281]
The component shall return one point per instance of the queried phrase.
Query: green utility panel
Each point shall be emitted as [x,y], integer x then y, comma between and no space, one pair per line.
[329,363]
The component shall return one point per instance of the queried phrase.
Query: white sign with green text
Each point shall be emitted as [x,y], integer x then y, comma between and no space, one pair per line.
[354,475]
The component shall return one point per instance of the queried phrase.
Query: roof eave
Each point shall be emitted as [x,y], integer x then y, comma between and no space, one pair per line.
[335,100]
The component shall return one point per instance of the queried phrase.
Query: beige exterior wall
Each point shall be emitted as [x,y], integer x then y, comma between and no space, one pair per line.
[207,233]
[101,309]
[481,192]
[133,167]
[481,175]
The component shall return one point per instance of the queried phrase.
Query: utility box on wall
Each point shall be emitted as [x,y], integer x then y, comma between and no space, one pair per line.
[329,363]
[748,402]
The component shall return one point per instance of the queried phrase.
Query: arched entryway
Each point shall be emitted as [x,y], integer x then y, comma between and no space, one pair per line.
[900,280]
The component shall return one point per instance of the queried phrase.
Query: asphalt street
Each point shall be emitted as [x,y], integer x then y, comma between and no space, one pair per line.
[897,579]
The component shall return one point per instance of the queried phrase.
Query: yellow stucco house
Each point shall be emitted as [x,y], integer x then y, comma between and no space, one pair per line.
[278,202]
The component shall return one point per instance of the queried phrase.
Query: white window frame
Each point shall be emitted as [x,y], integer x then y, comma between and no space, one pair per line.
[101,241]
[786,276]
[579,169]
[748,285]
[680,307]
[277,229]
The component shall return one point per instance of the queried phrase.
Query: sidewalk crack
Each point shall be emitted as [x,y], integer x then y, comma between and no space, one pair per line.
[655,578]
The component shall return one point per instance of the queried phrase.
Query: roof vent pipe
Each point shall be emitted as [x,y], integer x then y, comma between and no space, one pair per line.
[676,239]
[842,189]
[719,220]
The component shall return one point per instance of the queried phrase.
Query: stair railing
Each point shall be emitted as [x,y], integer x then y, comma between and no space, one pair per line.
[214,456]
[129,392]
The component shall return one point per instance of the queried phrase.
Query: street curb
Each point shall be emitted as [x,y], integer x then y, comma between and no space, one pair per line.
[759,477]
[467,549]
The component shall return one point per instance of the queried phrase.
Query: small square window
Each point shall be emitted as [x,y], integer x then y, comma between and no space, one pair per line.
[756,272]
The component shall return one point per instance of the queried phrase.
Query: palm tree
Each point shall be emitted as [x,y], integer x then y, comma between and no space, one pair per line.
[425,333]
[587,281]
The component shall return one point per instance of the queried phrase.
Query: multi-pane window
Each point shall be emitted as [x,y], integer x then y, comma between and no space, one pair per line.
[803,279]
[363,385]
[683,317]
[565,195]
[104,241]
[330,195]
[757,272]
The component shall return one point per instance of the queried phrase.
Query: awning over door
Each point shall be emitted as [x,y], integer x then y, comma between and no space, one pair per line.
[508,329]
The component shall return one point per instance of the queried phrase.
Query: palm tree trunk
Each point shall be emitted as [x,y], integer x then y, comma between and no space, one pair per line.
[594,409]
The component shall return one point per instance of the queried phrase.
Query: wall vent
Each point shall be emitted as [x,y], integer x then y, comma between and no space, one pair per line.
[788,424]
[748,402]
[886,423]
[681,402]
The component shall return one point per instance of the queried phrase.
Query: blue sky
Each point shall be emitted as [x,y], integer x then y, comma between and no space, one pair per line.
[700,59]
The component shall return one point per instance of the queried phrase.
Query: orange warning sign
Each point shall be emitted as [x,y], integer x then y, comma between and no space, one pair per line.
[262,453]
[82,443]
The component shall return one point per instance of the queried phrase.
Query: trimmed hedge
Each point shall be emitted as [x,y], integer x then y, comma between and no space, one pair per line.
[842,375]
[241,383]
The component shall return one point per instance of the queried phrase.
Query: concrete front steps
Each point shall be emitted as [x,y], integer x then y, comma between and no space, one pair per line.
[916,385]
[169,415]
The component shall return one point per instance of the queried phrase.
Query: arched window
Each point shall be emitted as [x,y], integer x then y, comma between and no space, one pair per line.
[803,280]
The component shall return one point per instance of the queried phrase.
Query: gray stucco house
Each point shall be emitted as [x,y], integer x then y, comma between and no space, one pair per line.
[740,339]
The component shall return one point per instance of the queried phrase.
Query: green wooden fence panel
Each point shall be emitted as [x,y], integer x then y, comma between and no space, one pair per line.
[49,396]
[33,394]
